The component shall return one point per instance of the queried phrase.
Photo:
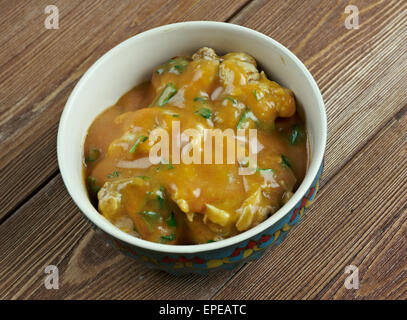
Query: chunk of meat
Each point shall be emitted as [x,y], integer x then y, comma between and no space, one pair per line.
[253,211]
[137,204]
[205,53]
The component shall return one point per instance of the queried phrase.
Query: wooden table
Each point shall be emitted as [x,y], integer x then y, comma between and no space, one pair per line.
[359,217]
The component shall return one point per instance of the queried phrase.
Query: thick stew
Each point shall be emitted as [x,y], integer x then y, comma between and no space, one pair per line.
[181,202]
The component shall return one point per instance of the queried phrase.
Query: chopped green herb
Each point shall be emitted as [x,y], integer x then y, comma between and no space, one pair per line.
[169,237]
[175,66]
[175,115]
[243,118]
[160,70]
[93,155]
[255,95]
[265,170]
[92,184]
[178,65]
[149,226]
[168,164]
[169,91]
[210,241]
[160,197]
[177,69]
[247,114]
[115,174]
[295,134]
[200,99]
[171,222]
[150,214]
[233,100]
[169,167]
[204,112]
[135,229]
[139,140]
[143,177]
[285,161]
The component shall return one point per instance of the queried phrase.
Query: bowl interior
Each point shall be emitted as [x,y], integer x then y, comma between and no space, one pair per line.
[132,62]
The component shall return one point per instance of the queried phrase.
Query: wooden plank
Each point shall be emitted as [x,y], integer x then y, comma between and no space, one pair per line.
[368,231]
[40,67]
[49,230]
[361,73]
[359,218]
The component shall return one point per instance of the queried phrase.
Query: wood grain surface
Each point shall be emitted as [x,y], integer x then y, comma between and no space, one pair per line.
[358,218]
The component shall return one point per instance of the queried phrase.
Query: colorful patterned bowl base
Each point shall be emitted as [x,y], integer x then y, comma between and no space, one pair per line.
[223,258]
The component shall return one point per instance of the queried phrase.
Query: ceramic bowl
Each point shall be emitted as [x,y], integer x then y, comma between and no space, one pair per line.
[130,63]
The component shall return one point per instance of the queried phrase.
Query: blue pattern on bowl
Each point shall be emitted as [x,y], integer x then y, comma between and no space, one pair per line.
[223,258]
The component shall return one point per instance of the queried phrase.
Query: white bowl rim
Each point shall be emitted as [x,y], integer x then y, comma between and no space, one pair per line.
[96,218]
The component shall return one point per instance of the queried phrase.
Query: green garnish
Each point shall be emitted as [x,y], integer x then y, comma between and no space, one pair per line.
[150,214]
[171,222]
[169,91]
[135,229]
[139,140]
[92,184]
[169,237]
[200,99]
[177,69]
[147,223]
[204,112]
[255,94]
[143,177]
[160,197]
[160,70]
[178,65]
[169,166]
[295,135]
[265,170]
[175,66]
[115,174]
[209,241]
[91,180]
[285,161]
[243,118]
[93,155]
[175,115]
[233,100]
[247,114]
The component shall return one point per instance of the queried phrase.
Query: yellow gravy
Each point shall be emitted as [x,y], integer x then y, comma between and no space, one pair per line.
[195,203]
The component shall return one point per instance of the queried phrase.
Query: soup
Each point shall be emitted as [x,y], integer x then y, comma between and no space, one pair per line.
[188,196]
